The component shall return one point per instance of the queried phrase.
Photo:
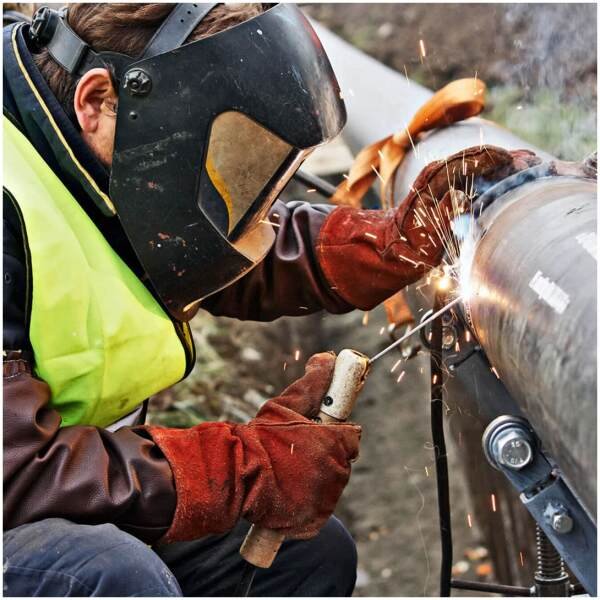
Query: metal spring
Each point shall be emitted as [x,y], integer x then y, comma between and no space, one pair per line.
[550,565]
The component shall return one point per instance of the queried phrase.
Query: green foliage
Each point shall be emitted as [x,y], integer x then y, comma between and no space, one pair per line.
[566,129]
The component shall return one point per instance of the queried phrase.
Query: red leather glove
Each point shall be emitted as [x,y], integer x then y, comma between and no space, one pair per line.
[281,470]
[368,255]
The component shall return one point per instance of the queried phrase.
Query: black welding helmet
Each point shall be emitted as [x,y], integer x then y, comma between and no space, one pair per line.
[207,135]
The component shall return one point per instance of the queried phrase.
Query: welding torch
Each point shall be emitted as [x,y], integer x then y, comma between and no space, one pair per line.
[350,371]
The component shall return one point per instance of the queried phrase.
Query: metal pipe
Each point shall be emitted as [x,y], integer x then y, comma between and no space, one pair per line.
[533,308]
[536,254]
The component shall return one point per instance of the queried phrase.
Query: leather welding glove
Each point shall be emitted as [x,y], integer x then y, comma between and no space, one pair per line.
[280,471]
[368,255]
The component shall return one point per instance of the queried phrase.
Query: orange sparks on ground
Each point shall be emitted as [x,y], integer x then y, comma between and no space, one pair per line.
[522,559]
[422,47]
[469,520]
[365,319]
[297,355]
[495,372]
[371,235]
[493,497]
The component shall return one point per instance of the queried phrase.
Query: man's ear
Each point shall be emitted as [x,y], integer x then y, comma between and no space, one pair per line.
[95,99]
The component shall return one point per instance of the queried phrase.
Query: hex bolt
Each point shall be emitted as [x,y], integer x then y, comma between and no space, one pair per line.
[559,518]
[512,449]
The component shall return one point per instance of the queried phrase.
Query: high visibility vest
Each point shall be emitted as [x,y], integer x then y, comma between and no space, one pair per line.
[100,339]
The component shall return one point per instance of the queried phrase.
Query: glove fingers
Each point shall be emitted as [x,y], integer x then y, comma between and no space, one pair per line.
[305,395]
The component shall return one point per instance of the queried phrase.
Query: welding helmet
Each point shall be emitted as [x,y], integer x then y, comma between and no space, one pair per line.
[207,135]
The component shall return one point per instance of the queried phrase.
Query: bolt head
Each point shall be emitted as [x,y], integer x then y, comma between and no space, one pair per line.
[138,82]
[562,522]
[513,450]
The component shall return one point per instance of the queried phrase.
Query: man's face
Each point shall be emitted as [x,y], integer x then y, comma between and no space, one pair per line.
[95,106]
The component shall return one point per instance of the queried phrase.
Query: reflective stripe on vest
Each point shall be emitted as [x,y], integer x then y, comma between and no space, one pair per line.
[101,341]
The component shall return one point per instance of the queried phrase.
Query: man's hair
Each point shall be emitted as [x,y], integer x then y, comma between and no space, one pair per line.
[127,28]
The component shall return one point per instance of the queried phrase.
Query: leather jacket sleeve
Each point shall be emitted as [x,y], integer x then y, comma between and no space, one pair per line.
[289,281]
[85,474]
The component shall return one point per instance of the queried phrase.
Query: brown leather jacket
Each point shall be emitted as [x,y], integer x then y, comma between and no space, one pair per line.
[91,475]
[87,474]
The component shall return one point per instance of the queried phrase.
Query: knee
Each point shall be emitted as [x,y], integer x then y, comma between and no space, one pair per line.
[338,552]
[87,560]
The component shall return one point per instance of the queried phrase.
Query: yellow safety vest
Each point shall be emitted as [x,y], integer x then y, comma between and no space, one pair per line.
[100,339]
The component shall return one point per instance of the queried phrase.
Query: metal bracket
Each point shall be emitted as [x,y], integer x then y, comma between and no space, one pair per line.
[545,494]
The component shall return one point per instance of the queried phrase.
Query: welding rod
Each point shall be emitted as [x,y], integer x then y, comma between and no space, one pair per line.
[428,320]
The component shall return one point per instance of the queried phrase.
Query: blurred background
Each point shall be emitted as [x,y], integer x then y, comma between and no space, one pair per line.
[539,62]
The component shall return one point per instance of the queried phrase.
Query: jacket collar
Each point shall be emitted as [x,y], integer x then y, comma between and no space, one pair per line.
[31,105]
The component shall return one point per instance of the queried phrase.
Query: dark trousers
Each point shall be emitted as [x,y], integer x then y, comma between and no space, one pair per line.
[55,557]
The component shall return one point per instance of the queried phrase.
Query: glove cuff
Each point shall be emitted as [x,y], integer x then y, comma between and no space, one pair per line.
[205,461]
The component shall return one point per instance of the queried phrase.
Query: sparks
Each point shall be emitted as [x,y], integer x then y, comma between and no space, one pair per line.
[371,235]
[311,190]
[493,497]
[495,372]
[297,355]
[365,319]
[292,449]
[422,47]
[469,521]
[377,173]
[269,222]
[522,558]
[400,377]
[284,366]
[443,283]
[467,336]
[426,471]
[435,378]
[395,366]
[382,330]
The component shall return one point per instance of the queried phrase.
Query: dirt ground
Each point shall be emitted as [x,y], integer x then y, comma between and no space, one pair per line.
[539,57]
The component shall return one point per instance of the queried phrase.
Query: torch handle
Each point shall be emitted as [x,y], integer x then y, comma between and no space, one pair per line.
[261,544]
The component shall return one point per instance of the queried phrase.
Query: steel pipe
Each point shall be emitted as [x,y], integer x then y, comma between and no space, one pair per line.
[533,309]
[534,277]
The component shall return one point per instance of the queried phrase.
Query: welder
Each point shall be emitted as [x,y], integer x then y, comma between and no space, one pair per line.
[145,147]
